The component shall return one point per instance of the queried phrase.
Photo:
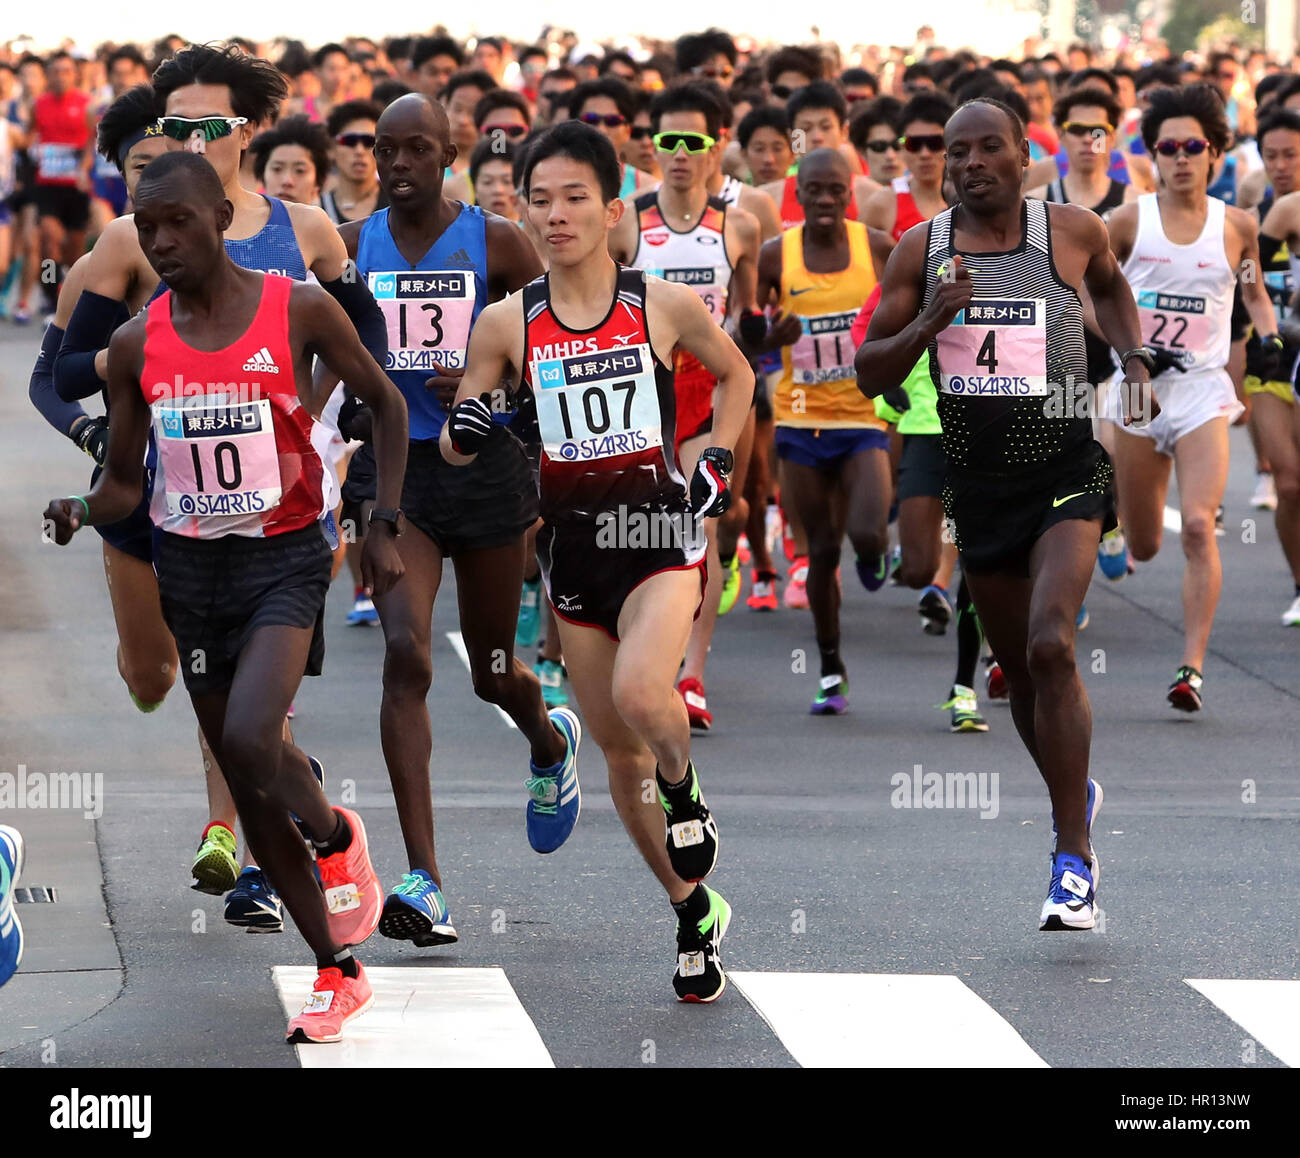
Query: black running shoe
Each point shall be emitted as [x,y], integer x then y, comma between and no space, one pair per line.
[699,976]
[1185,691]
[692,832]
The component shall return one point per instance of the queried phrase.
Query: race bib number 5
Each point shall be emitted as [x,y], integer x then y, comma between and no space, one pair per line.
[428,317]
[218,457]
[597,405]
[1174,322]
[995,347]
[824,351]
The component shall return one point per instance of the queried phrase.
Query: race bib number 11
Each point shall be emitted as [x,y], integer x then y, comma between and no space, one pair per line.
[995,347]
[597,405]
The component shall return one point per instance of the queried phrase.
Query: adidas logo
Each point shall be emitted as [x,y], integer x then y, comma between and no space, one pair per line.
[461,260]
[262,361]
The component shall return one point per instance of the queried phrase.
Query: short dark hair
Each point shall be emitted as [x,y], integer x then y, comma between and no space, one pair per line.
[820,94]
[932,108]
[1032,74]
[533,50]
[689,97]
[609,87]
[917,71]
[1202,102]
[387,91]
[942,72]
[1014,118]
[1013,100]
[256,87]
[1288,88]
[1011,66]
[357,110]
[490,149]
[1091,94]
[427,47]
[294,60]
[883,110]
[978,82]
[860,76]
[502,98]
[560,73]
[1150,74]
[762,117]
[198,169]
[579,143]
[618,58]
[1274,119]
[1272,82]
[322,54]
[792,58]
[719,94]
[135,110]
[492,42]
[693,49]
[1091,76]
[297,130]
[126,52]
[478,78]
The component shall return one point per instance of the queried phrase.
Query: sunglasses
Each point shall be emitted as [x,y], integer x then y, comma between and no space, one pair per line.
[511,131]
[609,120]
[693,143]
[928,142]
[714,73]
[209,128]
[1086,129]
[782,91]
[641,132]
[853,97]
[1193,146]
[882,146]
[351,140]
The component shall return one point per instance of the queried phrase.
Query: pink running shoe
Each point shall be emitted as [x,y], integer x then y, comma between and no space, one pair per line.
[354,898]
[335,1000]
[796,589]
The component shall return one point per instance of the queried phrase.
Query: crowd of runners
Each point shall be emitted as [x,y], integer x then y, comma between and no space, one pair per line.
[608,330]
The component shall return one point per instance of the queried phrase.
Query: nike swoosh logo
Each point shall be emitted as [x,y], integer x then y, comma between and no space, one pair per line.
[794,293]
[1058,502]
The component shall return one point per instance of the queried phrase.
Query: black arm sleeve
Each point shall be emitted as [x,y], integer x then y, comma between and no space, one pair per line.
[1268,247]
[89,330]
[59,414]
[354,296]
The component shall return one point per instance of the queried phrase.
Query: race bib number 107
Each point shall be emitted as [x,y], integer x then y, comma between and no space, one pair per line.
[995,347]
[597,405]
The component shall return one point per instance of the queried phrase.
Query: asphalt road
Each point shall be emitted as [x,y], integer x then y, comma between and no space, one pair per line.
[131,968]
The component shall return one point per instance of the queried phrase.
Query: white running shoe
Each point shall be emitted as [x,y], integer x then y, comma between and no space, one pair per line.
[1265,496]
[1291,616]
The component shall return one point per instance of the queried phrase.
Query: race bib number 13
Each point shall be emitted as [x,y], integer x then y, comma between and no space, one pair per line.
[428,317]
[597,405]
[995,347]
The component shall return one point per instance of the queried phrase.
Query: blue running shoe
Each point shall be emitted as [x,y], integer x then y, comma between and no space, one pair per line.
[1071,897]
[1081,620]
[556,797]
[935,608]
[254,905]
[363,611]
[530,614]
[416,911]
[1095,797]
[873,572]
[11,932]
[1112,555]
[550,674]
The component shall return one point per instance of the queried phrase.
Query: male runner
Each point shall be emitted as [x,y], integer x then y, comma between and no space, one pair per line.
[433,264]
[353,191]
[1028,493]
[684,235]
[835,450]
[596,339]
[1182,251]
[764,138]
[918,196]
[873,132]
[212,97]
[607,104]
[243,567]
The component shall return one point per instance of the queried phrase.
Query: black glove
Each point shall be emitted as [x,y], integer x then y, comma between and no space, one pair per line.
[354,420]
[470,424]
[898,398]
[753,327]
[1264,357]
[1165,360]
[711,484]
[91,435]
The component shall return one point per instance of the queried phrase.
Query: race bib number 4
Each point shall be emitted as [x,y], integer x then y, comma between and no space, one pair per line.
[824,351]
[709,281]
[995,347]
[428,317]
[597,405]
[218,457]
[1174,322]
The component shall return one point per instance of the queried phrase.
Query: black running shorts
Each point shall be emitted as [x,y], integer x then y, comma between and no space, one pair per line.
[997,520]
[216,592]
[922,468]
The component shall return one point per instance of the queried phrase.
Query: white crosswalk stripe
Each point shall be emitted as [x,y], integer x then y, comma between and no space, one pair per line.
[458,642]
[879,1020]
[425,1018]
[1268,1010]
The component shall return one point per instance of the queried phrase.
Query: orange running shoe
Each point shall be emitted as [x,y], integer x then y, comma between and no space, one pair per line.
[335,1000]
[692,691]
[796,589]
[762,592]
[354,898]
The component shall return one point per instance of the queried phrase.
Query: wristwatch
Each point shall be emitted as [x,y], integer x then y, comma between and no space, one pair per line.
[392,516]
[1143,354]
[724,460]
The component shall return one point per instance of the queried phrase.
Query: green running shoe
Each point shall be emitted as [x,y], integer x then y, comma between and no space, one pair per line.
[699,976]
[550,674]
[216,868]
[730,585]
[965,710]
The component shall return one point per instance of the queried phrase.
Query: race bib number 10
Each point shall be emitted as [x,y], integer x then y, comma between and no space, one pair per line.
[428,317]
[218,457]
[597,405]
[995,347]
